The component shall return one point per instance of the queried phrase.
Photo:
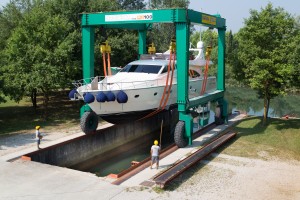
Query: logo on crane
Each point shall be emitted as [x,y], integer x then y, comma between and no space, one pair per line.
[207,19]
[128,17]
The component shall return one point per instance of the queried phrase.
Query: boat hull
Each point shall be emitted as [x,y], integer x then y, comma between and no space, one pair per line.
[143,100]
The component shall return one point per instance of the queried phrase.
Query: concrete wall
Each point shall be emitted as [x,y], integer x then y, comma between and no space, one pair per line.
[85,147]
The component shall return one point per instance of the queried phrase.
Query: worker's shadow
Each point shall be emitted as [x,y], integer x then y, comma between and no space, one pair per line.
[45,137]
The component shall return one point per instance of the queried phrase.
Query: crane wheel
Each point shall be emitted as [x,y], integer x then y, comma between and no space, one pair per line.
[89,122]
[218,116]
[179,138]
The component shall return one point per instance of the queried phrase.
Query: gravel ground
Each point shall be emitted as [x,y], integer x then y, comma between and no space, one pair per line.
[229,178]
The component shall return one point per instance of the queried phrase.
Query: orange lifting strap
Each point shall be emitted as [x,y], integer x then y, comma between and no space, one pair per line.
[191,73]
[172,63]
[207,54]
[104,64]
[106,50]
[171,67]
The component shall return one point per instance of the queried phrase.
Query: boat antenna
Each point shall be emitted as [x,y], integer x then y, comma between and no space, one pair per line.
[200,29]
[200,34]
[161,127]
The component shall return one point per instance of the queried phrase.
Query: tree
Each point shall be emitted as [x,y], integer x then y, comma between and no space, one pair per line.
[38,54]
[295,80]
[161,34]
[160,4]
[10,16]
[123,42]
[209,38]
[132,4]
[266,55]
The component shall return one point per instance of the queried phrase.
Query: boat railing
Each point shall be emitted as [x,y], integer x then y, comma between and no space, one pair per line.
[122,85]
[104,84]
[88,83]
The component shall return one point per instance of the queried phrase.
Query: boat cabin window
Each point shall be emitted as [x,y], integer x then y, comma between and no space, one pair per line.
[193,73]
[150,69]
[165,69]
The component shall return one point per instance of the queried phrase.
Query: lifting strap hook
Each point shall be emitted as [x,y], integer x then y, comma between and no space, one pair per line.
[173,45]
[208,51]
[151,49]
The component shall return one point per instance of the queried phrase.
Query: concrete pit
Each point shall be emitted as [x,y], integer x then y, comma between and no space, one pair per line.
[112,149]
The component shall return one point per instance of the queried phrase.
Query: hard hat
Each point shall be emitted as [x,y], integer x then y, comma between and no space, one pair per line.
[155,142]
[37,127]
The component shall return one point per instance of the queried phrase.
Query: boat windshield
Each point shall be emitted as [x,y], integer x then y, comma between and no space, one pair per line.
[150,69]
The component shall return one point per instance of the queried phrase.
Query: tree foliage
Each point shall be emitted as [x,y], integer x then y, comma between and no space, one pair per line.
[41,49]
[10,17]
[38,55]
[41,45]
[266,52]
[209,38]
[131,4]
[162,34]
[161,4]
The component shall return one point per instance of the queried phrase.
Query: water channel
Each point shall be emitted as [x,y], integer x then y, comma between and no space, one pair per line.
[246,99]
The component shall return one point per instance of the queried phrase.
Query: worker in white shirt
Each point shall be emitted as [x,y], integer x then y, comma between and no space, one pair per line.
[38,136]
[155,154]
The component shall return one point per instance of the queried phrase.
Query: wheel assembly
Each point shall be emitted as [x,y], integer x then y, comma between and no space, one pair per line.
[218,115]
[179,133]
[89,122]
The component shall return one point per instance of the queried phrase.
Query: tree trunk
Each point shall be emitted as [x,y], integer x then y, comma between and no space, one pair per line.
[265,110]
[268,106]
[33,98]
[45,102]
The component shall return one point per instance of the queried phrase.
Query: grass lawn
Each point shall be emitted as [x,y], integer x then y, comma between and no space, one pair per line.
[62,113]
[280,138]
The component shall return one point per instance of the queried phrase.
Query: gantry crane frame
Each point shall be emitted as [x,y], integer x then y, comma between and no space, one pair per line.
[141,21]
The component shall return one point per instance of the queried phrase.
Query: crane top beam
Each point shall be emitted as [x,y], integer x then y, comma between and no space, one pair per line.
[139,20]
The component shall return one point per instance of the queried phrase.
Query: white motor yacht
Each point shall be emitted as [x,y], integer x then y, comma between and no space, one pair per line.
[138,88]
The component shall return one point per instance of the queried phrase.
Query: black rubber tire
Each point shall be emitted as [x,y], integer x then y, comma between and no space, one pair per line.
[218,112]
[218,116]
[89,122]
[179,138]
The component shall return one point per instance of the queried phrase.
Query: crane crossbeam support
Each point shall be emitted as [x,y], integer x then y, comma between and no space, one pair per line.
[138,20]
[200,100]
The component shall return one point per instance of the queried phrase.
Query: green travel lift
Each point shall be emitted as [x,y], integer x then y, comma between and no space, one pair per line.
[142,21]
